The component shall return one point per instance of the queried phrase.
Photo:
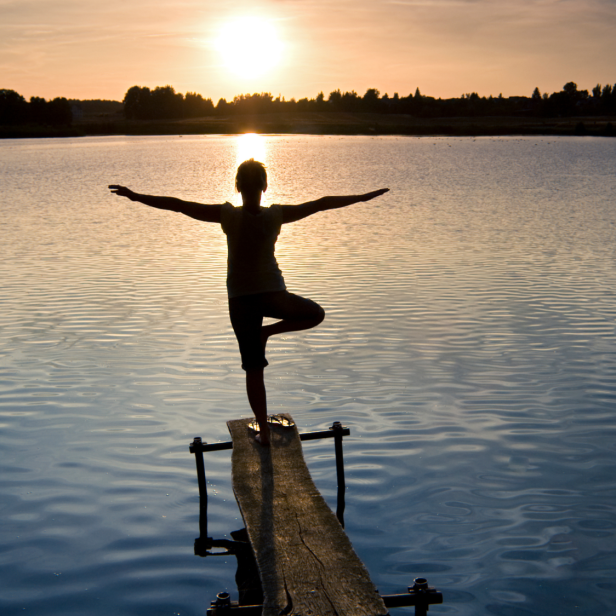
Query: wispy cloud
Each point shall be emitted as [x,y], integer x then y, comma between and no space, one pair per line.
[49,47]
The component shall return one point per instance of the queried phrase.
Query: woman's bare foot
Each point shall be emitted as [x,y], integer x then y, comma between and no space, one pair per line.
[259,437]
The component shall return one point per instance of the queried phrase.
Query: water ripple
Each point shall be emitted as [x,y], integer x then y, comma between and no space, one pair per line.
[468,343]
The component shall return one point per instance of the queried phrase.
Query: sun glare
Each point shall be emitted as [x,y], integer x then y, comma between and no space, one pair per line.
[251,145]
[249,46]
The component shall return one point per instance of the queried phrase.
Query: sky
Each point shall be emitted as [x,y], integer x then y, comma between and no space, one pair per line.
[87,50]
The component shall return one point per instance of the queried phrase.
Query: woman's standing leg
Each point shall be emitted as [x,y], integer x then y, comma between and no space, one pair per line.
[257,398]
[247,319]
[295,313]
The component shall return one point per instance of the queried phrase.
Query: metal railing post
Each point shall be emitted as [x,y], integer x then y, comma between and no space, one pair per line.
[197,448]
[338,431]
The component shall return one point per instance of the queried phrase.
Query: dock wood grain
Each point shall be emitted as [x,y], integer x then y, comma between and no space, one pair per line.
[306,562]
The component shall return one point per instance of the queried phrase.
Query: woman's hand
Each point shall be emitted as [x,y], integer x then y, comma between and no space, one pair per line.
[374,193]
[122,191]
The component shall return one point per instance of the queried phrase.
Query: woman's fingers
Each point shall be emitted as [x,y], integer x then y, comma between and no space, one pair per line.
[376,193]
[119,190]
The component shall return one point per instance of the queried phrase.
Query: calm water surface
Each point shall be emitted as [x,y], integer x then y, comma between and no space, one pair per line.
[469,344]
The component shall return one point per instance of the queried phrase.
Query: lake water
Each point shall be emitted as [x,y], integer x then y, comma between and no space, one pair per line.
[469,344]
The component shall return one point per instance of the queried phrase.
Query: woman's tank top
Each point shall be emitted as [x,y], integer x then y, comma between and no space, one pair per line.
[251,242]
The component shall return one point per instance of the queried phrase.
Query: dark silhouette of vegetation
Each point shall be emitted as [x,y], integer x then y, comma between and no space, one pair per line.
[14,109]
[154,111]
[95,107]
[164,103]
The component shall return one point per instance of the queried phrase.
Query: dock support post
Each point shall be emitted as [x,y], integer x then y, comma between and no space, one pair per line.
[338,431]
[420,589]
[204,541]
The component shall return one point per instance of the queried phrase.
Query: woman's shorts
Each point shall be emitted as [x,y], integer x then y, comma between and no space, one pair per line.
[247,312]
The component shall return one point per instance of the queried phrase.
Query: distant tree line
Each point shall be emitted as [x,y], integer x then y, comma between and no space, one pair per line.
[95,107]
[14,109]
[165,103]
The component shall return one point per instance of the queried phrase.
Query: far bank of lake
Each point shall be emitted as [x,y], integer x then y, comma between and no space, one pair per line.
[325,123]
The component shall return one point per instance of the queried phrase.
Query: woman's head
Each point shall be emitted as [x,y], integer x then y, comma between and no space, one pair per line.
[251,176]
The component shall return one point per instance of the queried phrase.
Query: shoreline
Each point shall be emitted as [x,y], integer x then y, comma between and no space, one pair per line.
[331,123]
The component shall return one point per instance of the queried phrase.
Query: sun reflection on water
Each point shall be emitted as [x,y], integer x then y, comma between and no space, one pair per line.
[251,145]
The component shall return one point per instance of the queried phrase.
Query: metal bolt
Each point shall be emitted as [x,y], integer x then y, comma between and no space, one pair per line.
[420,584]
[223,599]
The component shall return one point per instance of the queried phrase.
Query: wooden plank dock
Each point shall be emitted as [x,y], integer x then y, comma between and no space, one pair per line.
[306,562]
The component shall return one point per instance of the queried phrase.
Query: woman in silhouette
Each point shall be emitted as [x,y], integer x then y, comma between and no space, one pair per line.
[255,284]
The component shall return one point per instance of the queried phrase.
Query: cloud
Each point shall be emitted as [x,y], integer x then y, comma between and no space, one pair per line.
[444,46]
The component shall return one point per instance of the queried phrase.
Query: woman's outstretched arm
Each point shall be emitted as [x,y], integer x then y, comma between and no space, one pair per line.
[199,211]
[291,213]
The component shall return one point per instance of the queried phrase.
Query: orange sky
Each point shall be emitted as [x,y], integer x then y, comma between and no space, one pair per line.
[85,49]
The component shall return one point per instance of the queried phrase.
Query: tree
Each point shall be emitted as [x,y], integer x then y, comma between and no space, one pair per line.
[571,89]
[196,106]
[536,95]
[222,107]
[335,99]
[608,99]
[253,103]
[59,112]
[13,107]
[37,110]
[137,103]
[55,112]
[350,101]
[166,104]
[303,104]
[371,100]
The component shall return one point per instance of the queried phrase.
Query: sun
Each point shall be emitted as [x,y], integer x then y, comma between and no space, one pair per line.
[249,46]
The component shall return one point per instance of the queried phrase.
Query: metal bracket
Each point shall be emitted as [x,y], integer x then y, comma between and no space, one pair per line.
[204,544]
[420,595]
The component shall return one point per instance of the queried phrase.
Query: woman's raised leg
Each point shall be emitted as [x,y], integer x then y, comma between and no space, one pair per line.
[295,313]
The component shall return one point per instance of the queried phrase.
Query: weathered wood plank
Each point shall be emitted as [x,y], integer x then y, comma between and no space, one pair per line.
[306,562]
